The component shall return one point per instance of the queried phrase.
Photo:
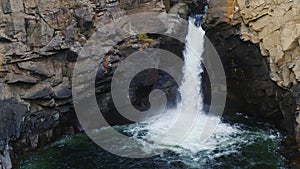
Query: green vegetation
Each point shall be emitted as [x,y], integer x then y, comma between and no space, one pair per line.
[77,4]
[142,37]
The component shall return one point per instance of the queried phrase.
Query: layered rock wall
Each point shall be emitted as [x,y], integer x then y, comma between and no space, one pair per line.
[39,44]
[274,27]
[40,41]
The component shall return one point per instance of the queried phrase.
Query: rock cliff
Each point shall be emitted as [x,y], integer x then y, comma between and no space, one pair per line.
[273,26]
[40,41]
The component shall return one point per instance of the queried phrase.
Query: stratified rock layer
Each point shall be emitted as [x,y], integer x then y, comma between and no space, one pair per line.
[274,27]
[39,45]
[40,42]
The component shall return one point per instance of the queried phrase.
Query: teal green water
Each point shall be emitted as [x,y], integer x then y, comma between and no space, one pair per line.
[254,144]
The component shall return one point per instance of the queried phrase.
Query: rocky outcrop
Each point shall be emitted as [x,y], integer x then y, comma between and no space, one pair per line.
[40,42]
[250,89]
[273,26]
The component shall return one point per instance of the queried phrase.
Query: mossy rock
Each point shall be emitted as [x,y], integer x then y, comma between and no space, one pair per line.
[143,38]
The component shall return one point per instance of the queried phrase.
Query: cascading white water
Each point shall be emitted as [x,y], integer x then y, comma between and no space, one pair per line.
[159,132]
[190,89]
[191,101]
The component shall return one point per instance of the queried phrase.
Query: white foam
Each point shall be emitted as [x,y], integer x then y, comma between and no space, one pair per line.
[191,101]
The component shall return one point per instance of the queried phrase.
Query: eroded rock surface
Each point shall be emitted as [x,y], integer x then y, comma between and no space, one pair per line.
[273,26]
[40,42]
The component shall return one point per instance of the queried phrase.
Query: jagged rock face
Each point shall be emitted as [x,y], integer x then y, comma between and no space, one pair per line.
[39,45]
[274,27]
[250,89]
[40,41]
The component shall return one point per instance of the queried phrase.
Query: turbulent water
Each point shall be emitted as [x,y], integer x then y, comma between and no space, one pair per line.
[233,144]
[248,144]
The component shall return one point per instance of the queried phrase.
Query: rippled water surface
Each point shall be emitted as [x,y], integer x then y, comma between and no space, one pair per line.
[250,144]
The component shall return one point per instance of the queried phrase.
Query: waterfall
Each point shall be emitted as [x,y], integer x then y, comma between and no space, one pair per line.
[190,89]
[181,129]
[158,128]
[189,108]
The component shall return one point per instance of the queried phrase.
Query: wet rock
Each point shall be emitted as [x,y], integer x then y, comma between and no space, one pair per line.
[274,27]
[11,114]
[34,141]
[250,88]
[40,121]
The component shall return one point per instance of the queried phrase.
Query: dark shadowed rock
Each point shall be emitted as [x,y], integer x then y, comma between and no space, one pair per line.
[39,91]
[63,90]
[11,114]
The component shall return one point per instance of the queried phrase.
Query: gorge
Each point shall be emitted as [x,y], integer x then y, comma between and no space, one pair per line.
[40,43]
[157,139]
